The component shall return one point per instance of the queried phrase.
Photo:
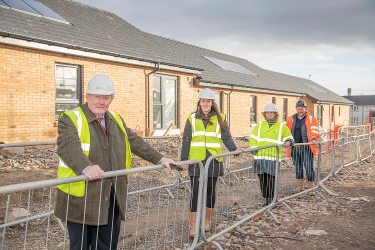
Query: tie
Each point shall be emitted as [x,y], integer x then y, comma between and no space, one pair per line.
[100,122]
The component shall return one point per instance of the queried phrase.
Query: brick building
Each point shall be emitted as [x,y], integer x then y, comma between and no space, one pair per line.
[48,55]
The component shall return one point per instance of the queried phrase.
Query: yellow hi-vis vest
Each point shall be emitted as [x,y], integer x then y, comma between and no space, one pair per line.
[279,135]
[79,120]
[205,138]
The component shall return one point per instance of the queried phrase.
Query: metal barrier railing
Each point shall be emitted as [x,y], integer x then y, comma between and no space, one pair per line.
[364,146]
[334,155]
[152,221]
[346,154]
[242,192]
[22,162]
[158,201]
[372,141]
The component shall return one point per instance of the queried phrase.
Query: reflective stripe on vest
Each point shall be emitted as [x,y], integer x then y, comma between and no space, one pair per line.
[205,138]
[79,120]
[278,141]
[268,153]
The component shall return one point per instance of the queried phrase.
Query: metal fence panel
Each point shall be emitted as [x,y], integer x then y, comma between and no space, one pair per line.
[364,147]
[154,220]
[158,201]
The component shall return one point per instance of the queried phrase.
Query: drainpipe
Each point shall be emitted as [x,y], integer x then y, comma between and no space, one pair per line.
[148,98]
[228,106]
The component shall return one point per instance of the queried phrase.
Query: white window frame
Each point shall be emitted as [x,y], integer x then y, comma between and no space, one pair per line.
[67,83]
[285,109]
[164,102]
[253,102]
[218,100]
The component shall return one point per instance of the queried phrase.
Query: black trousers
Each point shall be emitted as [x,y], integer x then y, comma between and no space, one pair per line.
[98,237]
[267,185]
[211,193]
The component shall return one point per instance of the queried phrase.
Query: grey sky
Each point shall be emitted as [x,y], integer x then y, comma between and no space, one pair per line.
[331,40]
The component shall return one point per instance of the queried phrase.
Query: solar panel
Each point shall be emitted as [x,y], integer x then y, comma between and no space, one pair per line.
[20,5]
[229,65]
[316,88]
[4,4]
[32,6]
[43,10]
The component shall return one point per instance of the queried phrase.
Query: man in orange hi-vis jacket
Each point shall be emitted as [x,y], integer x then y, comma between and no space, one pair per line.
[305,129]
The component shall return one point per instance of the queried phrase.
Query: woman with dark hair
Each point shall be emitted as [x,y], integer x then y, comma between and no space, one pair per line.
[205,130]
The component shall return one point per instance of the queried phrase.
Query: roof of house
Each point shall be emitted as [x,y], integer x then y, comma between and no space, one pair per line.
[93,30]
[361,99]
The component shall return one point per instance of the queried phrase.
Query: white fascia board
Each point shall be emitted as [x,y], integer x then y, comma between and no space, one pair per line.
[57,49]
[205,84]
[337,103]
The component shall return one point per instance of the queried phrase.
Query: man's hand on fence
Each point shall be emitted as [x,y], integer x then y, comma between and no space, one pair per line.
[315,142]
[239,150]
[287,144]
[167,162]
[93,172]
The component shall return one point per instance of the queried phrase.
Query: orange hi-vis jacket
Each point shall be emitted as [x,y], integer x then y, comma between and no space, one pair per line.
[312,130]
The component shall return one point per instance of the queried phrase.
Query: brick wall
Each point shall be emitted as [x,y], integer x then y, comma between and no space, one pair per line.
[28,91]
[27,97]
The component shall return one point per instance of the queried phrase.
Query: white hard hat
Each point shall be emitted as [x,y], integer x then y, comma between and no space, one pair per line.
[207,94]
[100,85]
[270,107]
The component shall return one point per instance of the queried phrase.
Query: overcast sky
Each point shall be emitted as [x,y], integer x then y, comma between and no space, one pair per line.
[331,40]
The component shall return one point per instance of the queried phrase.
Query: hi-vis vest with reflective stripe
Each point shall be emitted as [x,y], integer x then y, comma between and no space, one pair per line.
[312,127]
[205,138]
[79,120]
[259,135]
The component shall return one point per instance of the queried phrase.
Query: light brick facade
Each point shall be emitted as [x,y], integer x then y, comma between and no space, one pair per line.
[27,95]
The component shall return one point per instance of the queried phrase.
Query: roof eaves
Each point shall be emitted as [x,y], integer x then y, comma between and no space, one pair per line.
[248,88]
[86,49]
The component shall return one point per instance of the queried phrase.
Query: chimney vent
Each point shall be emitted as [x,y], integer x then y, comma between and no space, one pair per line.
[349,91]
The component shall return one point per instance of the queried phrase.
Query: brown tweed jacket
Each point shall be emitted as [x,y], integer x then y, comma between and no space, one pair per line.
[106,151]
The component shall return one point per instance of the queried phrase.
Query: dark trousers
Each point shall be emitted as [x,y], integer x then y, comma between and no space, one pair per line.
[211,193]
[267,185]
[303,156]
[98,237]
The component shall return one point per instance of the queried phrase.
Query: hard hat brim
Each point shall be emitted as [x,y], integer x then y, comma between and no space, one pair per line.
[100,92]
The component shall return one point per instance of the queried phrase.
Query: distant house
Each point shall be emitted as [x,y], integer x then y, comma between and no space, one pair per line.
[48,54]
[359,111]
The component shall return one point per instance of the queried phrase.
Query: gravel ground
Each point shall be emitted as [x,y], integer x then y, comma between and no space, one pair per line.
[344,221]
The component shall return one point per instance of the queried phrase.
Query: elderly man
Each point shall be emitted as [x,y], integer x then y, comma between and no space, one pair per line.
[93,140]
[305,129]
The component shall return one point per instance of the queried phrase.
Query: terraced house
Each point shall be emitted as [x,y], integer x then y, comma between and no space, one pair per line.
[49,49]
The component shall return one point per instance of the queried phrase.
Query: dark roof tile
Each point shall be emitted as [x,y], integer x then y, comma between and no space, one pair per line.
[362,99]
[99,30]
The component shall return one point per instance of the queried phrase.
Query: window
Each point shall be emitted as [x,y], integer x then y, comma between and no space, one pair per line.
[218,100]
[164,96]
[320,115]
[253,109]
[274,100]
[68,88]
[354,108]
[339,111]
[285,109]
[353,121]
[331,113]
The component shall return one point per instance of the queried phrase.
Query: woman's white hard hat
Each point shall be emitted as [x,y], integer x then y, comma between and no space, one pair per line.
[207,94]
[270,107]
